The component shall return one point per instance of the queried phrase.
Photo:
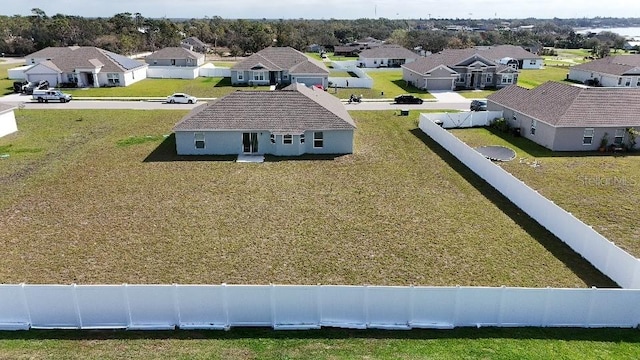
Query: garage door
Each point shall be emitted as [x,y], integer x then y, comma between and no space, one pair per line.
[439,84]
[310,81]
[52,79]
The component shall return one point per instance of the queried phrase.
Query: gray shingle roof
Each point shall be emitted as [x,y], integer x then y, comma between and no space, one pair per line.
[175,53]
[293,109]
[68,59]
[388,52]
[282,58]
[449,58]
[614,65]
[564,105]
[502,51]
[192,40]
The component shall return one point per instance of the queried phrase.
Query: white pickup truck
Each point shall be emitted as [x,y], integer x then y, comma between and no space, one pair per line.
[50,94]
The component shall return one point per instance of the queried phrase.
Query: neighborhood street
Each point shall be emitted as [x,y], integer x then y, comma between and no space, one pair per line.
[27,103]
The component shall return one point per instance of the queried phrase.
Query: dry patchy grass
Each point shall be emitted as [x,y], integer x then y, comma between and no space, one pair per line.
[100,197]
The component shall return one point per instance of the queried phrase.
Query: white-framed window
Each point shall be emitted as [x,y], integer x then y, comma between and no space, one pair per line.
[240,76]
[375,62]
[72,77]
[318,139]
[638,82]
[198,139]
[627,81]
[113,78]
[488,78]
[258,76]
[507,78]
[273,138]
[301,138]
[533,62]
[619,136]
[155,62]
[619,81]
[533,127]
[287,139]
[587,137]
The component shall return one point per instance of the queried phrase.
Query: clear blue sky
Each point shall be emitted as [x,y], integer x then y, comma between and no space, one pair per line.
[339,9]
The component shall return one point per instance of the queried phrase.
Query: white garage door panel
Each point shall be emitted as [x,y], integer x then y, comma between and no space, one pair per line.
[439,84]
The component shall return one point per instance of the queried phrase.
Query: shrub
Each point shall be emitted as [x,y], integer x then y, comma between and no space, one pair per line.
[500,124]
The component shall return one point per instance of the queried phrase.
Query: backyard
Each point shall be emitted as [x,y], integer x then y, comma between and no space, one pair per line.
[600,189]
[100,197]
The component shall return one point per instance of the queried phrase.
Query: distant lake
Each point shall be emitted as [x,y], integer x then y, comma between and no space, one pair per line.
[626,32]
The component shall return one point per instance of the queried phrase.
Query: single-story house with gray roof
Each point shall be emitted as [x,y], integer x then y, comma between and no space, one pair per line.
[611,71]
[195,44]
[87,66]
[500,53]
[175,56]
[386,56]
[7,120]
[279,65]
[564,117]
[459,69]
[289,122]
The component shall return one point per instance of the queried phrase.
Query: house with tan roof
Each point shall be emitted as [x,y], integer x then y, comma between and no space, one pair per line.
[356,47]
[386,56]
[564,117]
[86,66]
[611,71]
[279,65]
[289,122]
[458,69]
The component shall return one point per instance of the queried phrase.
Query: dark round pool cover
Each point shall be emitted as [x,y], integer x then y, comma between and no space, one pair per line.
[496,152]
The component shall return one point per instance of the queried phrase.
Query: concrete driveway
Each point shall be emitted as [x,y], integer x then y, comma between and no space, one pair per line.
[448,96]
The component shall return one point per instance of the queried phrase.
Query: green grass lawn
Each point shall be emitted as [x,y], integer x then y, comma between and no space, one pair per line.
[340,73]
[223,63]
[386,84]
[101,197]
[581,344]
[199,87]
[6,85]
[600,189]
[530,78]
[475,94]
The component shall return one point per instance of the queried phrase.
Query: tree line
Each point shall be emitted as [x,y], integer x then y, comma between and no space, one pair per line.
[128,33]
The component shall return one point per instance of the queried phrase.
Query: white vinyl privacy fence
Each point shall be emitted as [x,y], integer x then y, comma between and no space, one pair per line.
[157,307]
[465,119]
[164,307]
[620,266]
[210,70]
[363,80]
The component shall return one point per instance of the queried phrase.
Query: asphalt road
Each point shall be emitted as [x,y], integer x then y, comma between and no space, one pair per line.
[158,105]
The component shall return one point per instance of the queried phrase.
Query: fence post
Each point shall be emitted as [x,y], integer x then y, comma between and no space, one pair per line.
[26,303]
[125,290]
[592,295]
[176,305]
[225,305]
[500,318]
[456,307]
[272,296]
[76,305]
[318,303]
[366,305]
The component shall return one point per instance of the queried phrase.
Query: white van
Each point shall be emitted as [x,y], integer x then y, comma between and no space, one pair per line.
[50,94]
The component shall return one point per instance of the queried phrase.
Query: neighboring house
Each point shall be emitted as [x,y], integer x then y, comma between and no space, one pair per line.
[459,69]
[279,65]
[501,53]
[86,66]
[354,48]
[175,56]
[563,117]
[290,122]
[7,120]
[195,44]
[386,56]
[613,71]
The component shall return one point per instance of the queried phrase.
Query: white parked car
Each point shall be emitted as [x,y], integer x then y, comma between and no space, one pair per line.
[181,98]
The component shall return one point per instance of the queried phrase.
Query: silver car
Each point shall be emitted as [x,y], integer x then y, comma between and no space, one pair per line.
[181,98]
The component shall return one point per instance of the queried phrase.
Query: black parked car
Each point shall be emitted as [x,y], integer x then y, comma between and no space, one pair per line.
[408,99]
[478,105]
